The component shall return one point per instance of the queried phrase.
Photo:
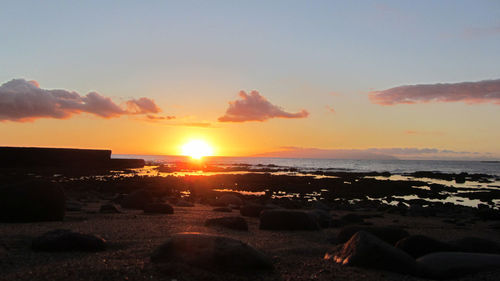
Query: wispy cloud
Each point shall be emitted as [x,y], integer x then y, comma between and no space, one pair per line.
[487,91]
[475,32]
[22,101]
[159,118]
[331,109]
[254,107]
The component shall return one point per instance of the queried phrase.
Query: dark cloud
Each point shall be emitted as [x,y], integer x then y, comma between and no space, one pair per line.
[487,91]
[22,100]
[254,107]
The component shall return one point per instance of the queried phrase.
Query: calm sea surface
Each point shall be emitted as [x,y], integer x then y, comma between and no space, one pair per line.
[393,166]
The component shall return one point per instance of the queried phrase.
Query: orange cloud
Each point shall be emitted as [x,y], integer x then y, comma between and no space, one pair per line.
[487,91]
[254,107]
[22,100]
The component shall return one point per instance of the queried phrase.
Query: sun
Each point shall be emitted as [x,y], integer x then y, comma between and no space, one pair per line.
[197,149]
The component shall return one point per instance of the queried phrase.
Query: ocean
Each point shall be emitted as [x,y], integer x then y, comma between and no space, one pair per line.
[348,165]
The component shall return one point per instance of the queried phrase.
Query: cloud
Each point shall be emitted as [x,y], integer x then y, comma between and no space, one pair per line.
[475,32]
[331,109]
[22,100]
[158,117]
[254,107]
[487,91]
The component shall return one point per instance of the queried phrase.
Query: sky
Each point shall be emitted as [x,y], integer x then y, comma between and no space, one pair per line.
[405,79]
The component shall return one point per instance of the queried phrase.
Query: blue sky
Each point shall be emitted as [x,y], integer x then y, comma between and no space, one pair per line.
[192,57]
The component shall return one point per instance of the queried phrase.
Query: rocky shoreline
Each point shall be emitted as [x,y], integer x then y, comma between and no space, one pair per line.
[277,227]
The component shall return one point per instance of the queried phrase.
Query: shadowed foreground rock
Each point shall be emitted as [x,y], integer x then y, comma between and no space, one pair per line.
[288,220]
[63,240]
[158,208]
[444,265]
[366,250]
[32,201]
[251,210]
[476,245]
[420,245]
[390,234]
[210,251]
[236,223]
[229,199]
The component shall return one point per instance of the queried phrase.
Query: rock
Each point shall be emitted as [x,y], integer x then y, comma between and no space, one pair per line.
[455,264]
[352,218]
[158,208]
[137,200]
[288,220]
[251,210]
[420,245]
[109,209]
[488,214]
[366,250]
[390,234]
[322,217]
[73,206]
[321,206]
[210,251]
[476,245]
[63,240]
[236,223]
[32,201]
[223,209]
[229,199]
[184,203]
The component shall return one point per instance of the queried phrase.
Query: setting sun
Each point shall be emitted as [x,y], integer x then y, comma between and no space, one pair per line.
[197,149]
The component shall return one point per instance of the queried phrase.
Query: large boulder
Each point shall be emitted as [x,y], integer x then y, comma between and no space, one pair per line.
[281,219]
[137,199]
[63,240]
[366,250]
[323,217]
[229,199]
[32,201]
[109,208]
[476,245]
[223,209]
[390,234]
[251,210]
[210,251]
[158,208]
[420,245]
[455,264]
[236,223]
[347,220]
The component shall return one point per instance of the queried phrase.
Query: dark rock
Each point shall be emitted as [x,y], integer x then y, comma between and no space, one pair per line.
[420,245]
[210,251]
[236,223]
[351,218]
[322,217]
[229,199]
[109,209]
[184,203]
[366,250]
[251,210]
[137,199]
[63,240]
[158,208]
[32,201]
[390,234]
[476,245]
[223,209]
[72,206]
[288,220]
[488,214]
[455,264]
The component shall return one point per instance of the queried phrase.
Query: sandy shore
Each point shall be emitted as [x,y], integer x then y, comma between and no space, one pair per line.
[297,255]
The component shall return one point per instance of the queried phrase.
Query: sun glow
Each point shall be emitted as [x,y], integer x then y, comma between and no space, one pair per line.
[197,149]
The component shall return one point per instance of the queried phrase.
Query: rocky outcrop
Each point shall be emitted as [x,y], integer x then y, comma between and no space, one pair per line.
[366,250]
[210,251]
[281,219]
[389,234]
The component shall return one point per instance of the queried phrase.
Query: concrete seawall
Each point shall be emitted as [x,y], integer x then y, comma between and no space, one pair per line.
[20,157]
